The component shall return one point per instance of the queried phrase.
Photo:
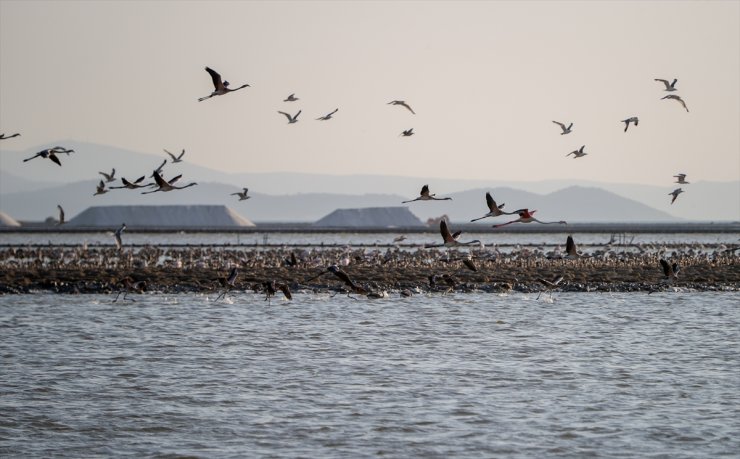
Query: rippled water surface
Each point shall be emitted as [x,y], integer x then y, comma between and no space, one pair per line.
[461,375]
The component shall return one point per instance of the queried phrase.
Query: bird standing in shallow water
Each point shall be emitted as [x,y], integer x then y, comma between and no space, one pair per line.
[220,87]
[425,196]
[61,215]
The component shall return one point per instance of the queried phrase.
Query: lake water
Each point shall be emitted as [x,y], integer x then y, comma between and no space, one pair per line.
[459,375]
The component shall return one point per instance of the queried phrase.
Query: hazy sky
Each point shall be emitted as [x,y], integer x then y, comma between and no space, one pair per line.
[485,79]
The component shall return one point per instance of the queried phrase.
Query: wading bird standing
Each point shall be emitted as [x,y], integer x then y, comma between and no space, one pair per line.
[526,216]
[577,153]
[450,239]
[4,137]
[494,210]
[61,215]
[117,235]
[675,194]
[566,130]
[676,98]
[425,196]
[634,120]
[668,85]
[327,116]
[220,87]
[242,195]
[167,186]
[681,178]
[291,119]
[407,132]
[175,159]
[401,103]
[291,98]
[109,177]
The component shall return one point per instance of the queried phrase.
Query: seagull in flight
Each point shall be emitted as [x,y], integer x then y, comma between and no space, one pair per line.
[242,195]
[291,98]
[566,130]
[100,189]
[109,177]
[494,210]
[681,179]
[175,159]
[675,194]
[634,120]
[291,119]
[117,236]
[401,103]
[425,196]
[408,132]
[327,116]
[676,98]
[669,86]
[220,87]
[578,153]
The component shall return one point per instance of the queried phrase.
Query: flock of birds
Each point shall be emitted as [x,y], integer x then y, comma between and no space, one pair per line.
[449,239]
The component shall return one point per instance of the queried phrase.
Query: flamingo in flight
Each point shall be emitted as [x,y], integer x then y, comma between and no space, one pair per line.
[291,98]
[271,288]
[167,186]
[228,283]
[327,116]
[130,185]
[175,159]
[50,153]
[571,251]
[401,103]
[408,132]
[669,86]
[675,194]
[566,130]
[676,98]
[526,216]
[61,215]
[220,87]
[425,196]
[634,120]
[4,137]
[550,285]
[242,194]
[451,239]
[670,272]
[578,153]
[291,119]
[494,210]
[109,177]
[681,179]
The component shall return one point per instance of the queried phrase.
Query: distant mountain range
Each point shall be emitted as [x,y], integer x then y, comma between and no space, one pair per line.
[31,191]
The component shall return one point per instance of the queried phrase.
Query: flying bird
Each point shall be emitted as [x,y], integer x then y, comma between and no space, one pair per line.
[327,116]
[130,185]
[578,153]
[271,288]
[627,122]
[450,239]
[228,283]
[167,186]
[242,194]
[681,179]
[570,249]
[494,210]
[401,103]
[130,286]
[61,215]
[425,196]
[220,87]
[159,169]
[676,98]
[50,153]
[408,132]
[400,238]
[117,235]
[109,177]
[291,119]
[351,286]
[100,189]
[670,272]
[550,285]
[526,216]
[291,98]
[668,85]
[566,130]
[4,137]
[675,194]
[176,159]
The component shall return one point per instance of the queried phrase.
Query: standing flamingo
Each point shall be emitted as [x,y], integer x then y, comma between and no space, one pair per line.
[525,216]
[291,119]
[220,87]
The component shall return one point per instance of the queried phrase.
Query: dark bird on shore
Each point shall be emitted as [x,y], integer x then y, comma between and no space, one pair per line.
[526,216]
[131,186]
[167,186]
[327,116]
[61,215]
[634,120]
[669,86]
[109,177]
[175,159]
[100,189]
[550,285]
[670,271]
[271,288]
[407,132]
[401,103]
[675,194]
[5,137]
[425,196]
[129,286]
[681,178]
[566,130]
[291,119]
[494,210]
[678,99]
[228,283]
[117,235]
[220,86]
[449,239]
[242,194]
[291,98]
[578,153]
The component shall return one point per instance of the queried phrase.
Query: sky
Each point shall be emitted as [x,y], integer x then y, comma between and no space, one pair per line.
[486,80]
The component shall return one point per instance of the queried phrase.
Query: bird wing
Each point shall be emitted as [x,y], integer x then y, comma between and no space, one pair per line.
[61,214]
[54,158]
[570,246]
[287,115]
[286,291]
[666,267]
[445,232]
[491,203]
[139,180]
[159,180]
[407,106]
[175,179]
[217,83]
[562,126]
[665,82]
[425,190]
[181,154]
[469,263]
